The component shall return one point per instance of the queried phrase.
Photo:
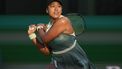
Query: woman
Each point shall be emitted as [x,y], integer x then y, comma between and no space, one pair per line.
[58,39]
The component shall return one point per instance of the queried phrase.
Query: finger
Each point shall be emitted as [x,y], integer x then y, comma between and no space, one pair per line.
[32,27]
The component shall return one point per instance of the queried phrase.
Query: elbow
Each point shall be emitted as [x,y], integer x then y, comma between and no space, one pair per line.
[45,51]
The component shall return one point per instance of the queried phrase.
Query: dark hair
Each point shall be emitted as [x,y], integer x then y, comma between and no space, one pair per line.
[50,1]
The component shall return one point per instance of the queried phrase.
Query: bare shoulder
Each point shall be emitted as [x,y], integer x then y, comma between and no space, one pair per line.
[65,23]
[64,20]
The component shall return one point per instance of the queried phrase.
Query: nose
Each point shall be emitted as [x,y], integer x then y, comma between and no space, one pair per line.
[56,8]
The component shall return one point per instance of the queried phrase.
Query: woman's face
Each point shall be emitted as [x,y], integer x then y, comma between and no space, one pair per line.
[55,10]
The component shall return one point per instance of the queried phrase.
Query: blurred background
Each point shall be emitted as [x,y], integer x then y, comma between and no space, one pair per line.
[102,39]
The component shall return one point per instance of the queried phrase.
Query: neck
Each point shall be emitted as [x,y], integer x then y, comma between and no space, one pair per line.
[53,20]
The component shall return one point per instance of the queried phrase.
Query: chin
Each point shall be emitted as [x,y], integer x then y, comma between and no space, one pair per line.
[55,17]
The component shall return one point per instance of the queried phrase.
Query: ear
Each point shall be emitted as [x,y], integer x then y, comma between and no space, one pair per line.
[46,10]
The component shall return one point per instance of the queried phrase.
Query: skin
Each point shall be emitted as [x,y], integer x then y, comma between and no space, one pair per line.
[60,25]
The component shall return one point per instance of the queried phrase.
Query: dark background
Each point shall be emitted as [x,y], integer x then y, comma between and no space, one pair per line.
[85,7]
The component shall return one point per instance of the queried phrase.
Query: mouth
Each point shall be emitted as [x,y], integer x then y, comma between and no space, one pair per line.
[56,13]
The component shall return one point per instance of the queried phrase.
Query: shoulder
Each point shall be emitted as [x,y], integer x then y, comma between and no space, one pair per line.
[63,20]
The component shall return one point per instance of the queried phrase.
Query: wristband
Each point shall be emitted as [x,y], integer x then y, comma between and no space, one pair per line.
[32,36]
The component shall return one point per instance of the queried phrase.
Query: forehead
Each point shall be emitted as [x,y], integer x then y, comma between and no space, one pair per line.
[54,3]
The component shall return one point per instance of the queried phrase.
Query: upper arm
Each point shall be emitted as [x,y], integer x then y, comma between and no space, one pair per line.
[56,30]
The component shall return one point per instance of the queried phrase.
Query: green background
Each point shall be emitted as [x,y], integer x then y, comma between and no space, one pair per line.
[101,40]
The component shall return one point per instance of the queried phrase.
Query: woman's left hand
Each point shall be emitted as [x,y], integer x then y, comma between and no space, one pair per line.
[32,29]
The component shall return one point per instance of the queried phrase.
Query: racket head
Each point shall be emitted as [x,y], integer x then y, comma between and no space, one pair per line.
[77,22]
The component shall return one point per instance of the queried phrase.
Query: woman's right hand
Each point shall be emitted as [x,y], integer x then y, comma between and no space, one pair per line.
[31,29]
[41,26]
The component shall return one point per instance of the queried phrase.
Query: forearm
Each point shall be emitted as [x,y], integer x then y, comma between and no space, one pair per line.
[36,42]
[42,34]
[40,45]
[44,49]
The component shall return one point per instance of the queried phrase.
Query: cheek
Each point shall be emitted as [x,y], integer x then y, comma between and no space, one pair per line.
[51,10]
[60,9]
[50,13]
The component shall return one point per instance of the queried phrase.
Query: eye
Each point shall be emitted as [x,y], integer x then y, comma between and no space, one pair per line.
[59,6]
[52,6]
